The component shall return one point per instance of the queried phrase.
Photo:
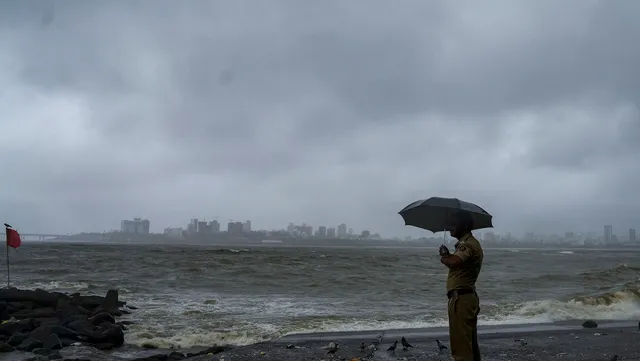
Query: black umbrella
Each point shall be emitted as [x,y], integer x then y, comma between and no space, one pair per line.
[436,214]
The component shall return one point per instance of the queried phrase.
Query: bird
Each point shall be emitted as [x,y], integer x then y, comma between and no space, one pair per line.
[441,347]
[371,349]
[379,339]
[614,358]
[333,348]
[362,347]
[392,348]
[405,344]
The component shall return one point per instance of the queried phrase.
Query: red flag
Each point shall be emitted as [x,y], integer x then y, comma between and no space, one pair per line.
[13,238]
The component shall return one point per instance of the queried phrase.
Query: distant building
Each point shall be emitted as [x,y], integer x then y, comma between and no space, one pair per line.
[322,232]
[342,231]
[331,232]
[204,228]
[246,227]
[173,233]
[608,234]
[632,235]
[300,231]
[136,226]
[234,227]
[215,226]
[193,225]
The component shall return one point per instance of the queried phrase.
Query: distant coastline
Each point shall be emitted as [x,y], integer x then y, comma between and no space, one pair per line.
[261,239]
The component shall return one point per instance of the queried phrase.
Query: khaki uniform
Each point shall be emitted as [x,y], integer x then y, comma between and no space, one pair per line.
[464,305]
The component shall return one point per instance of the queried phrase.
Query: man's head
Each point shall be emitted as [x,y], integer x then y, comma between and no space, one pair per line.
[461,224]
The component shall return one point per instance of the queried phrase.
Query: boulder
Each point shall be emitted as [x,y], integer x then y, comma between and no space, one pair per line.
[44,322]
[590,324]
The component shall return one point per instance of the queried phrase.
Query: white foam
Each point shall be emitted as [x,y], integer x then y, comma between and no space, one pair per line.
[565,252]
[168,336]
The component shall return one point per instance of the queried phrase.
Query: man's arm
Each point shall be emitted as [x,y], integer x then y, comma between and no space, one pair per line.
[456,260]
[451,261]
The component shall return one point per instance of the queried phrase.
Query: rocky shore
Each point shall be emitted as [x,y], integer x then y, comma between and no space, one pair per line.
[45,323]
[38,325]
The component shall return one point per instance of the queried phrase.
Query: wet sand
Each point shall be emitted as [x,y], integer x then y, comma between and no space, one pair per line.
[565,341]
[544,342]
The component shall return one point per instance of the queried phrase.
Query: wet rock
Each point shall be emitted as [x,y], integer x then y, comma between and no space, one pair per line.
[211,350]
[29,344]
[43,322]
[100,318]
[174,356]
[52,342]
[5,347]
[17,338]
[589,324]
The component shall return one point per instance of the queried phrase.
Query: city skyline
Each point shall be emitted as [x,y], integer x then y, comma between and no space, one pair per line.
[201,226]
[326,115]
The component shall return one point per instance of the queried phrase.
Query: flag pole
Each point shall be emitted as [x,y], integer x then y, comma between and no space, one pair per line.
[6,241]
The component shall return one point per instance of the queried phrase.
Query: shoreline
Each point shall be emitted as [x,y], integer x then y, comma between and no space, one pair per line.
[487,331]
[544,342]
[634,248]
[567,340]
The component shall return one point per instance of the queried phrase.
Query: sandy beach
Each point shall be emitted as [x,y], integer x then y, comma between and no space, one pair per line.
[544,342]
[565,341]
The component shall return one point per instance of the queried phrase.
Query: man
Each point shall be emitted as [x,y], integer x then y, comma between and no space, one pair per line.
[464,267]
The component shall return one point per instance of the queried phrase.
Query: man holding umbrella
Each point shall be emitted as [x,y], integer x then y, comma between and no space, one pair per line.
[463,308]
[459,218]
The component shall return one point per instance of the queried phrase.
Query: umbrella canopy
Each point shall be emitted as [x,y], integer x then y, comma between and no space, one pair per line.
[436,214]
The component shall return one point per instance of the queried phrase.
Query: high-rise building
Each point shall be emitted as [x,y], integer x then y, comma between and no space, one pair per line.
[322,232]
[215,226]
[608,234]
[246,227]
[331,232]
[193,225]
[632,235]
[342,231]
[137,226]
[234,227]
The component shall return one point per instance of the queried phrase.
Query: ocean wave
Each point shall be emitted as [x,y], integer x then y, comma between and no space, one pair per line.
[621,305]
[66,286]
[230,250]
[614,271]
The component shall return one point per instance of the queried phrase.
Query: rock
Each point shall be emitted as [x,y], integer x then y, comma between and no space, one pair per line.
[52,342]
[5,347]
[17,338]
[589,324]
[211,350]
[101,317]
[174,356]
[43,322]
[29,344]
[10,328]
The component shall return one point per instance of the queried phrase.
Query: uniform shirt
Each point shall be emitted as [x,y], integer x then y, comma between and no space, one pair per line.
[469,250]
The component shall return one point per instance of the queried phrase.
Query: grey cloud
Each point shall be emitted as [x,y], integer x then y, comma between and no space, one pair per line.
[320,112]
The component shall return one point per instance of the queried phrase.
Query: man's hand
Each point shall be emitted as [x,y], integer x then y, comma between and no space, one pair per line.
[444,251]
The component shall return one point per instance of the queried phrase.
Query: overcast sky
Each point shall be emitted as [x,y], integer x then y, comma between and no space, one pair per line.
[319,111]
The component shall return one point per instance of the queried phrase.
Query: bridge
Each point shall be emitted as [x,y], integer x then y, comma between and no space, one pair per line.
[34,236]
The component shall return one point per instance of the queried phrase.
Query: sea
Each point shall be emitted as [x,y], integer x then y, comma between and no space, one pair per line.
[202,295]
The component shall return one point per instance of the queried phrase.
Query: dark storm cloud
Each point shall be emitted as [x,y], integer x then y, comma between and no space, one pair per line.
[324,112]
